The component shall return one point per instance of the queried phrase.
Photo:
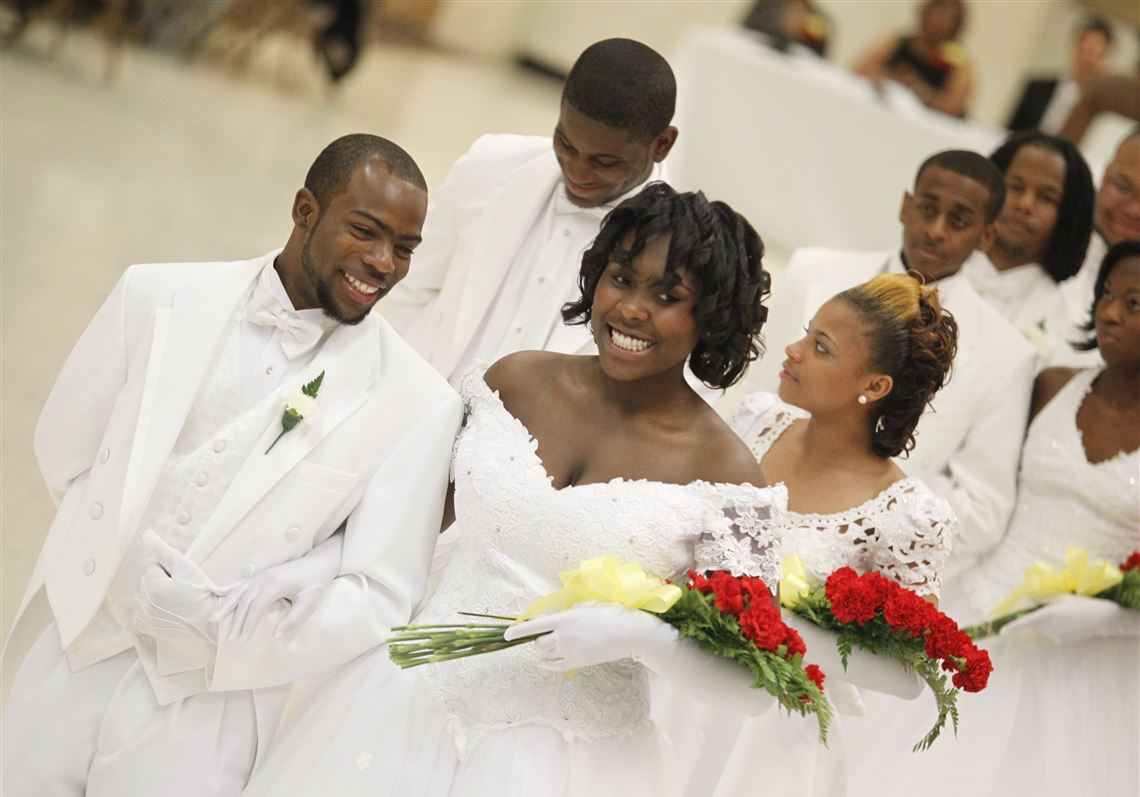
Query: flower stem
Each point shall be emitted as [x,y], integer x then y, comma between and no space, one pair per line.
[275,439]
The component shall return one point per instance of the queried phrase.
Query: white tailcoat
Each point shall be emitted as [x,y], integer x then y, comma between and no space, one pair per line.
[968,448]
[375,459]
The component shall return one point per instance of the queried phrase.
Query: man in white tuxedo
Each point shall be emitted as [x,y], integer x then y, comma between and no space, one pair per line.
[1040,238]
[505,232]
[159,443]
[968,445]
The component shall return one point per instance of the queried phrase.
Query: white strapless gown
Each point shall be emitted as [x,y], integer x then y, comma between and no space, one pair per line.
[498,725]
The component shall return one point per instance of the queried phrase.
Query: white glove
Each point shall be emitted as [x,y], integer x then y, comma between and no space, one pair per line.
[1071,619]
[865,670]
[301,583]
[596,633]
[175,595]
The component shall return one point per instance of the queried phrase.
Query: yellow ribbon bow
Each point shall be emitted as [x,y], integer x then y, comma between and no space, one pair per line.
[1078,577]
[605,578]
[794,586]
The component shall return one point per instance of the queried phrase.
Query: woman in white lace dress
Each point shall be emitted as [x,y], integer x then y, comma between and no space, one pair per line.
[1060,714]
[851,392]
[563,459]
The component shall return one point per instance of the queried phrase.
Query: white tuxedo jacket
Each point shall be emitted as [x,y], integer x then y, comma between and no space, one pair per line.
[377,456]
[477,222]
[967,448]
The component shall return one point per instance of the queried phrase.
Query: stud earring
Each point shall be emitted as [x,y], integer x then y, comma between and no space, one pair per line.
[862,399]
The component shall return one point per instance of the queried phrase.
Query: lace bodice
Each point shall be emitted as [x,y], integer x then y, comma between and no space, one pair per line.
[904,532]
[516,533]
[1063,501]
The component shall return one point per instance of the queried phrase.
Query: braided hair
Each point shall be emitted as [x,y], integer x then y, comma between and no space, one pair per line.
[711,242]
[913,340]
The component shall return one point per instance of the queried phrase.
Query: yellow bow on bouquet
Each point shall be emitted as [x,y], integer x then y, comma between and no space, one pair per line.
[794,586]
[1077,577]
[606,578]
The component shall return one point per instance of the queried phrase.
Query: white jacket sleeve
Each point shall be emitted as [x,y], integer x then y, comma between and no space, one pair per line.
[406,305]
[387,553]
[980,478]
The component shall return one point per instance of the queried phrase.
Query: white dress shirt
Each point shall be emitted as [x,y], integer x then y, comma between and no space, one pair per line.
[542,277]
[1027,297]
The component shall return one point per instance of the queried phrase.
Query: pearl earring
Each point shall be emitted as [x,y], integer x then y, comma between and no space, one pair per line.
[862,399]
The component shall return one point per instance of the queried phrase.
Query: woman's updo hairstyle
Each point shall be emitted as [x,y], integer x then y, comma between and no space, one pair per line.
[913,340]
[710,241]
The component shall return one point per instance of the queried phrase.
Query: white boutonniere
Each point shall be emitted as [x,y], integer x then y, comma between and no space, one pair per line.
[299,406]
[1039,337]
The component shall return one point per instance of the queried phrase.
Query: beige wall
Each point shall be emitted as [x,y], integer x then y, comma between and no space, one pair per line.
[1008,39]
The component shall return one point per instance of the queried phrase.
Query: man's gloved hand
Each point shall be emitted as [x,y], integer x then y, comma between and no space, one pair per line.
[300,583]
[175,595]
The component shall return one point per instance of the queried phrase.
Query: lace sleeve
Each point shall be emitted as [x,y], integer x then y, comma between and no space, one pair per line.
[760,419]
[917,545]
[742,534]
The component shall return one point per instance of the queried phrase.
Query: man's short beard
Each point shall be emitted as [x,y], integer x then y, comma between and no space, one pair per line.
[1013,251]
[324,293]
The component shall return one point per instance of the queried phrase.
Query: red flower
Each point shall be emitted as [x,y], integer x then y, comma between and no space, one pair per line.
[761,623]
[699,582]
[794,642]
[816,674]
[945,640]
[728,592]
[976,674]
[755,588]
[906,610]
[1132,562]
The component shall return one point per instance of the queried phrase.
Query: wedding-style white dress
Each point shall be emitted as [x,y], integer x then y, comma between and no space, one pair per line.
[498,724]
[1056,719]
[904,533]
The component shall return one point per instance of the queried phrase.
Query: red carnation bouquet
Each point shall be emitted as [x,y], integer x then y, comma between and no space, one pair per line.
[728,616]
[736,618]
[876,614]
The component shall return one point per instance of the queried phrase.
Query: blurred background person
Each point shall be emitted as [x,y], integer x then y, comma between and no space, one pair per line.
[1046,102]
[1116,218]
[930,62]
[787,22]
[1040,237]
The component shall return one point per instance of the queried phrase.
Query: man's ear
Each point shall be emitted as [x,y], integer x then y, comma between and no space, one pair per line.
[905,206]
[663,143]
[988,236]
[305,209]
[878,388]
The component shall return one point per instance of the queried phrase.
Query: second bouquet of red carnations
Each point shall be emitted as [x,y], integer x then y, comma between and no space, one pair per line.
[875,614]
[728,616]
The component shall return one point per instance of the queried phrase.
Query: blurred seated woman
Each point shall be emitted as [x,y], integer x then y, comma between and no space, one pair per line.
[931,63]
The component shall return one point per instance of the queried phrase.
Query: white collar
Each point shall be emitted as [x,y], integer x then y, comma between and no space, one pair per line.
[563,205]
[269,281]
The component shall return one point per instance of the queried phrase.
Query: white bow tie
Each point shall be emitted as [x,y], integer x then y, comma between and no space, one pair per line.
[298,336]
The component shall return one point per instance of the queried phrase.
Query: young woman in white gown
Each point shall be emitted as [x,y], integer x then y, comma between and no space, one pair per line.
[851,393]
[562,459]
[1060,714]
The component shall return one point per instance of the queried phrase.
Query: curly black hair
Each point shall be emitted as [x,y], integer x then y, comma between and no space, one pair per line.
[713,243]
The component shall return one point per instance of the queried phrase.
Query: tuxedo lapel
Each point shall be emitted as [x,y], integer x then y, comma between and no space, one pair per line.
[350,360]
[183,345]
[513,208]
